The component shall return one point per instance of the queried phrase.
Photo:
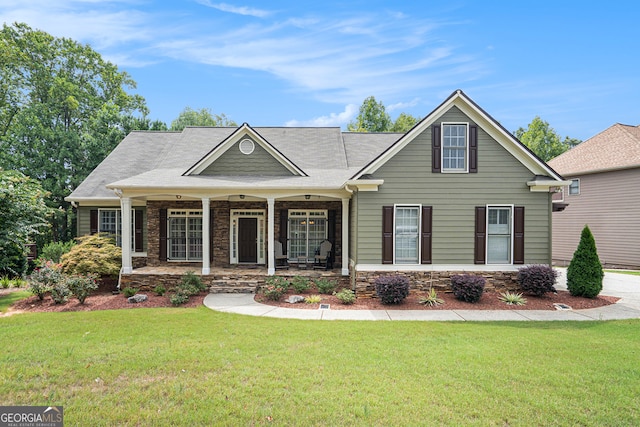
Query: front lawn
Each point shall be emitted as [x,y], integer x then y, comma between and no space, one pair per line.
[629,272]
[180,366]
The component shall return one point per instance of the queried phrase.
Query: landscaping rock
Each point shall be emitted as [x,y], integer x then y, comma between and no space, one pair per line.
[137,298]
[293,299]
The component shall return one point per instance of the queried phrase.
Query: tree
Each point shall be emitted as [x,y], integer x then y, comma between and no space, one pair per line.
[373,117]
[540,138]
[202,117]
[23,214]
[585,274]
[62,110]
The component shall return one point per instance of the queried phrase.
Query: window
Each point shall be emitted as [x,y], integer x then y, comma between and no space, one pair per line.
[499,235]
[406,236]
[307,229]
[454,147]
[574,188]
[110,222]
[184,238]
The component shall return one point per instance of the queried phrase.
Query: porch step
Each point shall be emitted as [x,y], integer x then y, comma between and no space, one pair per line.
[233,286]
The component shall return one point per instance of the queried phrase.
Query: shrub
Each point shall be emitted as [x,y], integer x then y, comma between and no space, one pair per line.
[467,287]
[325,286]
[179,298]
[159,290]
[44,278]
[275,287]
[431,299]
[95,254]
[5,282]
[53,251]
[129,292]
[346,296]
[13,261]
[585,274]
[81,286]
[512,298]
[537,279]
[300,284]
[392,289]
[191,283]
[313,299]
[60,292]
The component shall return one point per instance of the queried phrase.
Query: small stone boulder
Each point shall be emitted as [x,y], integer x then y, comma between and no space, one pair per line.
[137,298]
[294,299]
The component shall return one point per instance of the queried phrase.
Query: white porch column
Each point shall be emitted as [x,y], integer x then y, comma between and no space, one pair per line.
[206,239]
[125,211]
[345,237]
[271,266]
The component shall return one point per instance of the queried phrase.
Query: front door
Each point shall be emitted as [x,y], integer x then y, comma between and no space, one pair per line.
[248,240]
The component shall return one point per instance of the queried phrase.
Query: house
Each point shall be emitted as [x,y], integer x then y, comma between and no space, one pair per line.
[457,193]
[604,172]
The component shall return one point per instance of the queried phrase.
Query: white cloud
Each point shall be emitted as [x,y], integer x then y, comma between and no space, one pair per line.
[403,105]
[333,119]
[240,10]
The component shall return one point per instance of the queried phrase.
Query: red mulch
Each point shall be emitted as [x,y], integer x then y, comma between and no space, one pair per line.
[489,301]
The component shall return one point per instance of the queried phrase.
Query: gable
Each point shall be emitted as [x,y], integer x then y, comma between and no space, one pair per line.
[245,139]
[246,158]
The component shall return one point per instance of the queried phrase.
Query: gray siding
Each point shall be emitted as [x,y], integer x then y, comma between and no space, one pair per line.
[610,205]
[501,179]
[84,218]
[233,162]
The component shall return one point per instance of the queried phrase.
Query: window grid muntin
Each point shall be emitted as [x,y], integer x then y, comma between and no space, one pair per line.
[574,187]
[184,235]
[499,234]
[455,147]
[110,222]
[406,231]
[307,229]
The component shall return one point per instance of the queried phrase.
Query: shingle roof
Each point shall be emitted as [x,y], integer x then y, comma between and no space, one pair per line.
[159,159]
[617,147]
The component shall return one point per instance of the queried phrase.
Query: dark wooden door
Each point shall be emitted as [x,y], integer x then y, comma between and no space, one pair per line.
[248,240]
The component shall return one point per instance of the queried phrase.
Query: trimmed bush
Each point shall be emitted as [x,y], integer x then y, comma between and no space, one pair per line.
[346,296]
[95,254]
[191,283]
[392,289]
[300,284]
[537,279]
[585,274]
[467,287]
[325,286]
[82,285]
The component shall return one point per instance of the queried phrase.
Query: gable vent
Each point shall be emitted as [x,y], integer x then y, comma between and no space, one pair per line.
[246,146]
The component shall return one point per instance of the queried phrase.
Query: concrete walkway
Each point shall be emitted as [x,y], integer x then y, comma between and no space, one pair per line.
[624,286]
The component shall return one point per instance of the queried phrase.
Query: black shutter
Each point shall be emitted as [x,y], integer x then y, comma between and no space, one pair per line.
[163,235]
[211,234]
[425,237]
[518,235]
[284,229]
[331,232]
[473,149]
[93,221]
[387,234]
[436,155]
[137,230]
[480,235]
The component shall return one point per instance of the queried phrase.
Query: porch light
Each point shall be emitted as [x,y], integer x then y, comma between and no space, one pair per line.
[307,196]
[242,196]
[178,196]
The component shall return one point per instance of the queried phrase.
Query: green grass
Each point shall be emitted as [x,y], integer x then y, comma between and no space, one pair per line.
[630,272]
[8,299]
[180,366]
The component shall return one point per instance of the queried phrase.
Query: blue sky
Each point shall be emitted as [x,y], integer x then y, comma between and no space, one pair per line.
[573,63]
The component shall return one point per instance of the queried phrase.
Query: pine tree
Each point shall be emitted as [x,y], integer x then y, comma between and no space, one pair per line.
[585,274]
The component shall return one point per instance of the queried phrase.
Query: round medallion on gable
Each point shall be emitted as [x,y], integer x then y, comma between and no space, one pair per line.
[246,146]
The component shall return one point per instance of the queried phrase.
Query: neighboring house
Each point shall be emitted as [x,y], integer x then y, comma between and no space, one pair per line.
[604,172]
[457,193]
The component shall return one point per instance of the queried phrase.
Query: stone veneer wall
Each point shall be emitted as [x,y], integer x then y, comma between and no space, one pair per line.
[439,280]
[221,219]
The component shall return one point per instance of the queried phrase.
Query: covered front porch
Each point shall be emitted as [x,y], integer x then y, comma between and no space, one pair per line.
[237,279]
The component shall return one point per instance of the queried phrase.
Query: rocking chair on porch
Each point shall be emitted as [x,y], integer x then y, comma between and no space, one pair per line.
[282,261]
[323,256]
